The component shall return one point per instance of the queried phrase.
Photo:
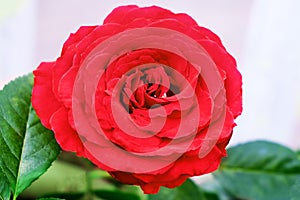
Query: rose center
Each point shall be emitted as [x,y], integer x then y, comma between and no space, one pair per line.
[158,91]
[147,86]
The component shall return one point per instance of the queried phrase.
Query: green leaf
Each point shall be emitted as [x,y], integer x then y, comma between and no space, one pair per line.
[27,148]
[67,181]
[214,187]
[67,196]
[115,194]
[4,188]
[259,170]
[187,191]
[105,187]
[60,178]
[295,191]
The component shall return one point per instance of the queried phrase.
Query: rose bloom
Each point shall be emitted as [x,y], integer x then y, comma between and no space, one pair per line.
[197,119]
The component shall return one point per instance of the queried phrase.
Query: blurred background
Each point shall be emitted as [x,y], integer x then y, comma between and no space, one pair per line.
[263,36]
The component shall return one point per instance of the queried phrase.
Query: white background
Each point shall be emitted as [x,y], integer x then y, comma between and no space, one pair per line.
[262,35]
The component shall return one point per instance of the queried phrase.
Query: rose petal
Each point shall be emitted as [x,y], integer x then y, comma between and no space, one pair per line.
[64,134]
[74,38]
[233,82]
[43,98]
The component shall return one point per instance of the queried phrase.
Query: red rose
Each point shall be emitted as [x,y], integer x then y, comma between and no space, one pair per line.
[149,96]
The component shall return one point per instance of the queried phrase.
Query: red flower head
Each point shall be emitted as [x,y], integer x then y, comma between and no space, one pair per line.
[149,96]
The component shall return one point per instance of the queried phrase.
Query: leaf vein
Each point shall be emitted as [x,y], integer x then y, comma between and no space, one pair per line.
[32,154]
[8,147]
[11,126]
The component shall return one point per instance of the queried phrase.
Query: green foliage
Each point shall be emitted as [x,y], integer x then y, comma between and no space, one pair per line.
[27,148]
[4,188]
[259,171]
[116,194]
[215,188]
[295,191]
[187,191]
[80,184]
[57,181]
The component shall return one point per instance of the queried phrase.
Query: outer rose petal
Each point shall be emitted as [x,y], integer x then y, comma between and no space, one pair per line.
[126,14]
[43,98]
[76,37]
[206,34]
[183,168]
[64,134]
[68,65]
[118,14]
[233,82]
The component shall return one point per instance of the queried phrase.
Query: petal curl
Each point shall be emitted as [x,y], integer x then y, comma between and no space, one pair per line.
[65,135]
[43,99]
